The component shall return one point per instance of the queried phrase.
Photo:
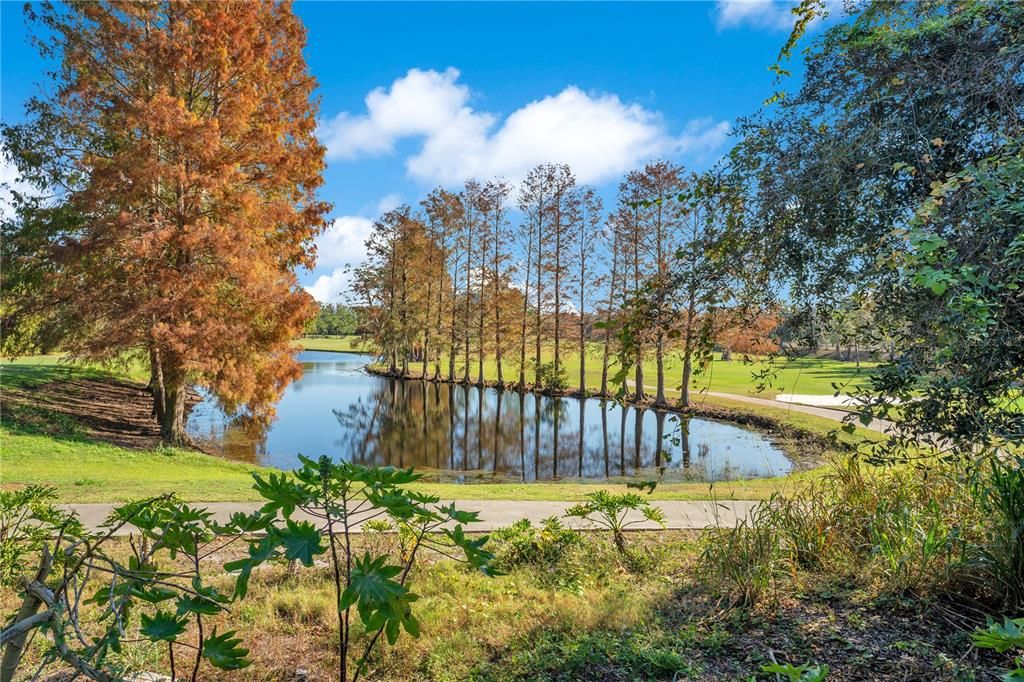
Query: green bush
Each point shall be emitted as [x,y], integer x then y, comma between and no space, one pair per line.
[896,530]
[554,551]
[551,376]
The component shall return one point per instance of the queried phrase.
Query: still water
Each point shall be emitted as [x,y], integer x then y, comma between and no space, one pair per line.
[463,433]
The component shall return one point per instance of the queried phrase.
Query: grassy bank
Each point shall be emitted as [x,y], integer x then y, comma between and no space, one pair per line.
[88,471]
[807,375]
[43,446]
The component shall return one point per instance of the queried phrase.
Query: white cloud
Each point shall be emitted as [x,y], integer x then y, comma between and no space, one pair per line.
[340,247]
[598,135]
[332,288]
[770,14]
[419,103]
[774,15]
[389,202]
[10,180]
[344,242]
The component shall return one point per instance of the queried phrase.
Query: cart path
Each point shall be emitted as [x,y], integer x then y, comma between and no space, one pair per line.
[880,425]
[679,515]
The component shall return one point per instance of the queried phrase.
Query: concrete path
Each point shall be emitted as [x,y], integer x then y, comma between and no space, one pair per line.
[499,513]
[880,425]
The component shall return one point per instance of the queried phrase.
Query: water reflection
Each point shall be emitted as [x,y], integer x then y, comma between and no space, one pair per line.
[467,433]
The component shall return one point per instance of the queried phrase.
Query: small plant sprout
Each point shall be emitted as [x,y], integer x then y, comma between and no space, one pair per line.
[805,672]
[612,511]
[1003,637]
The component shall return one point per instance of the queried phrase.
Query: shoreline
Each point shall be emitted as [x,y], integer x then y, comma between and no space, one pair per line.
[792,441]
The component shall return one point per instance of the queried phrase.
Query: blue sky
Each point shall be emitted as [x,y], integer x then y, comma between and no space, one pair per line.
[419,94]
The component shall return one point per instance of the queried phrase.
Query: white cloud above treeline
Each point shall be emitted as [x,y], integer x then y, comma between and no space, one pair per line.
[597,134]
[341,247]
[769,14]
[772,15]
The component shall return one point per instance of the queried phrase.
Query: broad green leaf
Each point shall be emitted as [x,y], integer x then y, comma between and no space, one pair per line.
[199,605]
[222,651]
[162,627]
[301,541]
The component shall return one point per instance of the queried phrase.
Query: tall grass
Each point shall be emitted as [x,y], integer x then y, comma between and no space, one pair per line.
[1001,557]
[940,530]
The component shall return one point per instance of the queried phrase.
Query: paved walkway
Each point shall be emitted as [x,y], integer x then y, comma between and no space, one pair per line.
[499,513]
[880,425]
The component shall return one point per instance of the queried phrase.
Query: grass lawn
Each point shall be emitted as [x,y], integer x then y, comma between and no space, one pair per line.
[812,376]
[85,470]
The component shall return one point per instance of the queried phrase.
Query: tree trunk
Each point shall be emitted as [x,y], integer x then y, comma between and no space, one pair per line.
[172,426]
[640,393]
[156,382]
[691,312]
[659,356]
[30,604]
[583,359]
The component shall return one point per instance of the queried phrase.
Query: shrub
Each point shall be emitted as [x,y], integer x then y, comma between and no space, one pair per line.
[896,529]
[551,376]
[72,569]
[612,512]
[1000,495]
[372,587]
[553,550]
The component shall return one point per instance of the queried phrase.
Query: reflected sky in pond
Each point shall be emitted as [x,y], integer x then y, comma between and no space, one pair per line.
[462,433]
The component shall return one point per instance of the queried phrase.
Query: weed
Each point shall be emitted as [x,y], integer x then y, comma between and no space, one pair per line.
[744,562]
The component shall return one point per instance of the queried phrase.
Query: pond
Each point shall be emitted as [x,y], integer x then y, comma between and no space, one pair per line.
[463,433]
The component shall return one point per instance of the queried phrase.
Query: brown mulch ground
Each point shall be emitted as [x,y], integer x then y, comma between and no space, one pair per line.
[116,412]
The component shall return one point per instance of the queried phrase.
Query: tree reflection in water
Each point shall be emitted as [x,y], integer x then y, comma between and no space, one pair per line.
[461,430]
[464,432]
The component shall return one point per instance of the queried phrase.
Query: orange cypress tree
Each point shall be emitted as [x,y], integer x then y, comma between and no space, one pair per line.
[180,141]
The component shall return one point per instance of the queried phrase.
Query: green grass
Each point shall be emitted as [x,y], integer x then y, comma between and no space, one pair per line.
[34,370]
[351,344]
[88,471]
[807,375]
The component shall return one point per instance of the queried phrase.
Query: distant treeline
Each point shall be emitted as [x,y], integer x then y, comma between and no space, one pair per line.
[333,320]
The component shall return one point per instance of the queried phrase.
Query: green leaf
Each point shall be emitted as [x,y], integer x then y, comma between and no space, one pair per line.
[301,541]
[222,651]
[382,602]
[281,493]
[163,627]
[1001,637]
[199,605]
[259,552]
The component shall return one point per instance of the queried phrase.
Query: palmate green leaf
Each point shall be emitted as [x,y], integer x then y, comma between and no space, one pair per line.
[152,593]
[301,541]
[372,582]
[1000,636]
[474,550]
[222,651]
[397,505]
[381,601]
[281,493]
[198,605]
[162,627]
[260,551]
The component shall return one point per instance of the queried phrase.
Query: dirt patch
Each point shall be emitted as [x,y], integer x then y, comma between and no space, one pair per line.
[116,412]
